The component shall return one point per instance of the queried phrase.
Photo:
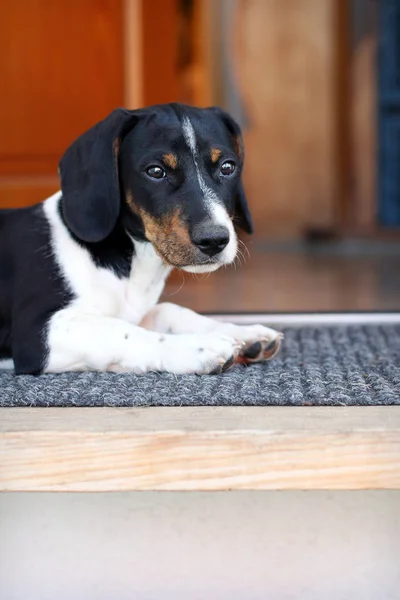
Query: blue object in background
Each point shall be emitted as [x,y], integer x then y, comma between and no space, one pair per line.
[389,113]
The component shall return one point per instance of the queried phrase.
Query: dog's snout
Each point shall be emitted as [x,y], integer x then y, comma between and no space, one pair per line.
[211,240]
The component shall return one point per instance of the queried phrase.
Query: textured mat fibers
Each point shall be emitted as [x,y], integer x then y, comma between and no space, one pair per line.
[317,366]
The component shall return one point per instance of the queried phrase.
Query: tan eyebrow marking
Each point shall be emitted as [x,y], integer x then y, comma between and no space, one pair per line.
[116,144]
[238,143]
[170,160]
[215,154]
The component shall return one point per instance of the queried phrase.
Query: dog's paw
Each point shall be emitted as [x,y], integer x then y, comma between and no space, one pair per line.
[261,350]
[211,353]
[260,343]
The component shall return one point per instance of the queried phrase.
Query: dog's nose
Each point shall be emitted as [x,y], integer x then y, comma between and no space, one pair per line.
[211,240]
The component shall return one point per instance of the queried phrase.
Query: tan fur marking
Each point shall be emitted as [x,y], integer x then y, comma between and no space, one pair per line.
[169,235]
[170,160]
[116,154]
[170,238]
[238,144]
[116,146]
[215,154]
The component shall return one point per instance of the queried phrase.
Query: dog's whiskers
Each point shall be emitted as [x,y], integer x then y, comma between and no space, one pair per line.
[201,276]
[181,274]
[245,247]
[239,259]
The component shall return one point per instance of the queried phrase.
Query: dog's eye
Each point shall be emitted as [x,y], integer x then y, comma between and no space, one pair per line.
[228,167]
[156,172]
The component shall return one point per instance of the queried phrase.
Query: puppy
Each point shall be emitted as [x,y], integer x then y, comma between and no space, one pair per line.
[142,192]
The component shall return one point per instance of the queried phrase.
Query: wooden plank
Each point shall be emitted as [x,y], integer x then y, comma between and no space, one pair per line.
[363,85]
[221,448]
[160,40]
[16,192]
[133,75]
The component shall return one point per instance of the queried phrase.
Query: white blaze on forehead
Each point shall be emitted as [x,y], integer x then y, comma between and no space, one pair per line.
[190,138]
[216,209]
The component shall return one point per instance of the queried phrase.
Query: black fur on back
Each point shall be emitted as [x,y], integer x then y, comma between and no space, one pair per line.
[31,287]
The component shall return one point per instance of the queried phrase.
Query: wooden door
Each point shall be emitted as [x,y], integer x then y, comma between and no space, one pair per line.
[61,70]
[66,64]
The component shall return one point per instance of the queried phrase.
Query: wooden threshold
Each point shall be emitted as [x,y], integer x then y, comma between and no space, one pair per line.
[311,319]
[206,448]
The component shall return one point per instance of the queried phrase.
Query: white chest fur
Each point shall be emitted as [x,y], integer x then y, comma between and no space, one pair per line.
[98,290]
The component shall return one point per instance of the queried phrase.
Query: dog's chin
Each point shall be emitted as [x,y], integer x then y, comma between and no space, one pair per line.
[204,268]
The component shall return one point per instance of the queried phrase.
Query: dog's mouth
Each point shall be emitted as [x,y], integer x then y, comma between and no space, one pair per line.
[197,266]
[190,263]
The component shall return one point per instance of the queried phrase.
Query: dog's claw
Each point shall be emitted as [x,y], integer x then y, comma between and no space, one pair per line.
[271,349]
[228,363]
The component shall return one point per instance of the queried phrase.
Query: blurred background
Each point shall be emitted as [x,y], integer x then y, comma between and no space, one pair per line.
[315,85]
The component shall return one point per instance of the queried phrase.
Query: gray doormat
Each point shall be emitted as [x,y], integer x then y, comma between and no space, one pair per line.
[337,366]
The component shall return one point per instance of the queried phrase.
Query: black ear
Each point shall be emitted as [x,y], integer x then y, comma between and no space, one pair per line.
[242,211]
[89,177]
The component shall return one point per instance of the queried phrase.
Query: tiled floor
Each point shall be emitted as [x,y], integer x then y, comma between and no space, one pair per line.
[280,279]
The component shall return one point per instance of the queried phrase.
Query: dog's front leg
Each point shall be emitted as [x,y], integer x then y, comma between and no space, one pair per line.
[81,342]
[260,343]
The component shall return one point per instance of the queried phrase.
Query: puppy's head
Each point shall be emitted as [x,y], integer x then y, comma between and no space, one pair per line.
[170,173]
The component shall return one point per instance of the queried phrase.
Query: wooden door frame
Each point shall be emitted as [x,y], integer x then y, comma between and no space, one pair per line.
[362,84]
[359,213]
[133,54]
[154,75]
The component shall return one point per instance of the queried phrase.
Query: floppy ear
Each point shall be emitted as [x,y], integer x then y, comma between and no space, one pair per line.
[89,177]
[242,211]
